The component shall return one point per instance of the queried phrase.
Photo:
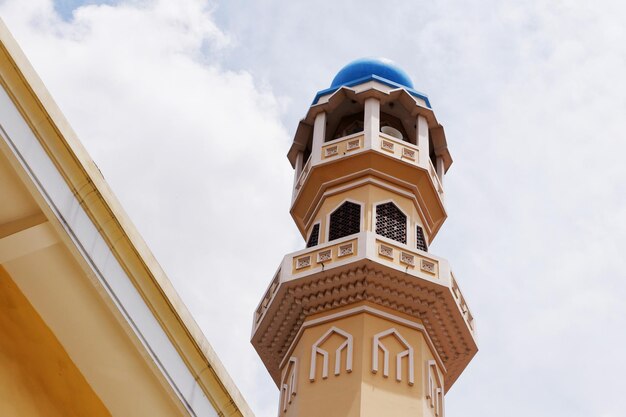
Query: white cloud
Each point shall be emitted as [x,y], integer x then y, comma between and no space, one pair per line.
[532,97]
[195,153]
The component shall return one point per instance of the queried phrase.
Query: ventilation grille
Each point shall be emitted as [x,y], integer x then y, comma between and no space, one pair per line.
[391,222]
[345,221]
[315,236]
[420,240]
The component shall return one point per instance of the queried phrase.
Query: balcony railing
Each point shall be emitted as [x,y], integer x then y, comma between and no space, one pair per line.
[404,151]
[460,301]
[343,146]
[435,178]
[365,245]
[302,178]
[349,145]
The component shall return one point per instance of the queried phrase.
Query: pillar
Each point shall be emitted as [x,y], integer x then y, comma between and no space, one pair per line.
[422,140]
[319,134]
[371,123]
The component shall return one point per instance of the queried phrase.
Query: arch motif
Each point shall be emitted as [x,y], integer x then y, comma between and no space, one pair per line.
[434,392]
[316,350]
[288,382]
[408,352]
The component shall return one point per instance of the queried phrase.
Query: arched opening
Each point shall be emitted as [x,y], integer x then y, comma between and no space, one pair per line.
[388,121]
[420,240]
[348,125]
[345,221]
[395,114]
[344,120]
[391,222]
[314,237]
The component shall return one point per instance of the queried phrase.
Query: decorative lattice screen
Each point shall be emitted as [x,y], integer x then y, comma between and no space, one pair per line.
[344,221]
[315,236]
[391,222]
[420,240]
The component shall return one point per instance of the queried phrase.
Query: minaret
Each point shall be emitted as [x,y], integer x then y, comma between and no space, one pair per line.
[365,321]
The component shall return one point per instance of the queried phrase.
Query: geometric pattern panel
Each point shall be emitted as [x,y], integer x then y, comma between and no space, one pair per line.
[391,222]
[314,238]
[345,221]
[420,240]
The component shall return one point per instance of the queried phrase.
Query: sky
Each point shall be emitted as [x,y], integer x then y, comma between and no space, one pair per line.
[188,107]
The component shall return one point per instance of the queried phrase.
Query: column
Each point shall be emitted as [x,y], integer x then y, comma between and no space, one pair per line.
[422,140]
[440,169]
[371,123]
[319,133]
[297,171]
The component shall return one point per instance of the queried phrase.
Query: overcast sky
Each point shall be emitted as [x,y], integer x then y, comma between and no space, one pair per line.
[188,107]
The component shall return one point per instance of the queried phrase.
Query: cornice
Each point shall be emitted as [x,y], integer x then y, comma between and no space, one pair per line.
[295,296]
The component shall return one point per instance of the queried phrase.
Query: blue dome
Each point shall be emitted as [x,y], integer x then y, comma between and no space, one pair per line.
[363,70]
[368,67]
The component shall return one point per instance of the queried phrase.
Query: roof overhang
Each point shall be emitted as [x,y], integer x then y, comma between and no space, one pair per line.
[376,78]
[76,218]
[298,292]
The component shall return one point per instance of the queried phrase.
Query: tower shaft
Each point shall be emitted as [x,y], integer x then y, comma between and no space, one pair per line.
[362,362]
[365,321]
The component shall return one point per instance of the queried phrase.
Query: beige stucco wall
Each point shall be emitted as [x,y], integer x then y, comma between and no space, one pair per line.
[359,392]
[369,195]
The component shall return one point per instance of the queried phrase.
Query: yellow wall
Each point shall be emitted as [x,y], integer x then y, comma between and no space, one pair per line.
[347,170]
[359,393]
[369,195]
[38,378]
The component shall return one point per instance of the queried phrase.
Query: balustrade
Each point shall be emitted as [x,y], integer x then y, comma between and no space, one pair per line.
[349,145]
[371,246]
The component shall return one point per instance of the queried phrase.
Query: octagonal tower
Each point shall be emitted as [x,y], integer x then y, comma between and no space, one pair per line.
[365,321]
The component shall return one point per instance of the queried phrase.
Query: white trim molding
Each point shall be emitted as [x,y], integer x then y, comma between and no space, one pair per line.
[408,352]
[315,350]
[434,388]
[289,383]
[374,312]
